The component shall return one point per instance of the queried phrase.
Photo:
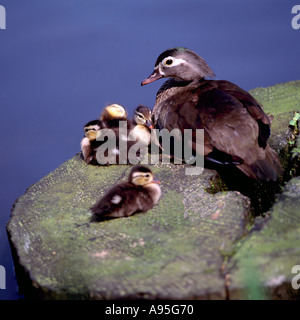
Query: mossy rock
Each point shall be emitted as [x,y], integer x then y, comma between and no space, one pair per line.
[262,266]
[172,251]
[177,250]
[280,101]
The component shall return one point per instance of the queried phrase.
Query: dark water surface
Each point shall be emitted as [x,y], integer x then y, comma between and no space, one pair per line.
[61,61]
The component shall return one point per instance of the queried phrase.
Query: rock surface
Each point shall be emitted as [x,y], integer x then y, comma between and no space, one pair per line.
[194,244]
[262,266]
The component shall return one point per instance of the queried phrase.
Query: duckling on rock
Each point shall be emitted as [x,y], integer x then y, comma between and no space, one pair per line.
[236,129]
[139,194]
[89,143]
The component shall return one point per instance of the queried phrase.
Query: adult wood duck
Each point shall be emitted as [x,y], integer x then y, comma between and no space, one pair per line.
[139,194]
[236,129]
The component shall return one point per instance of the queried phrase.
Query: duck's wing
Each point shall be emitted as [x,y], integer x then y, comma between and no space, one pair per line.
[253,107]
[180,112]
[238,126]
[184,111]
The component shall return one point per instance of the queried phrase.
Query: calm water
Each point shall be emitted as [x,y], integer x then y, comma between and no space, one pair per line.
[61,61]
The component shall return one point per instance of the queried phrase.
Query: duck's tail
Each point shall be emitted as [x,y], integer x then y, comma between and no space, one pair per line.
[267,169]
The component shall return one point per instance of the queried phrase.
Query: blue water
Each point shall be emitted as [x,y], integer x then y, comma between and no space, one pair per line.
[61,61]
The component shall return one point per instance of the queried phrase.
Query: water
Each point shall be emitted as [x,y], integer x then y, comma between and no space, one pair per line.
[61,61]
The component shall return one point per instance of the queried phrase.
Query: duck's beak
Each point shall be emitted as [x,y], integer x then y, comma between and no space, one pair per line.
[149,124]
[156,181]
[155,75]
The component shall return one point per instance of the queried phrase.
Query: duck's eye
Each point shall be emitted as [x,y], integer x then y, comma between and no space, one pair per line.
[147,175]
[168,62]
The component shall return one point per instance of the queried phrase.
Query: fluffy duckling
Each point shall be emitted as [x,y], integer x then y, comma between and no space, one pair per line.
[89,143]
[112,115]
[142,124]
[139,194]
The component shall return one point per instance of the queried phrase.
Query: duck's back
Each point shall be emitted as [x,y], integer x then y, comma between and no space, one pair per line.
[233,121]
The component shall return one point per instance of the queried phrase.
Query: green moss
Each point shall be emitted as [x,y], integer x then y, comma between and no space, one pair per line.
[279,99]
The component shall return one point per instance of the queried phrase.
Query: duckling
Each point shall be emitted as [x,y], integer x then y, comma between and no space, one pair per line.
[142,124]
[113,114]
[139,194]
[142,121]
[89,143]
[236,129]
[92,143]
[117,146]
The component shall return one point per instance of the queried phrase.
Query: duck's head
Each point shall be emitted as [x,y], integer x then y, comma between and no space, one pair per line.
[92,130]
[113,111]
[141,176]
[179,63]
[142,116]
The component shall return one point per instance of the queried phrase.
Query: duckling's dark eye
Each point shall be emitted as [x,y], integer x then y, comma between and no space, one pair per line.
[147,175]
[168,62]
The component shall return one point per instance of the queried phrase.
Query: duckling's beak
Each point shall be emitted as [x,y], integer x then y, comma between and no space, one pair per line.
[149,124]
[155,75]
[156,181]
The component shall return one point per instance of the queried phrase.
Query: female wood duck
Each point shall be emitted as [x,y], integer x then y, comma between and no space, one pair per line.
[89,143]
[236,129]
[139,194]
